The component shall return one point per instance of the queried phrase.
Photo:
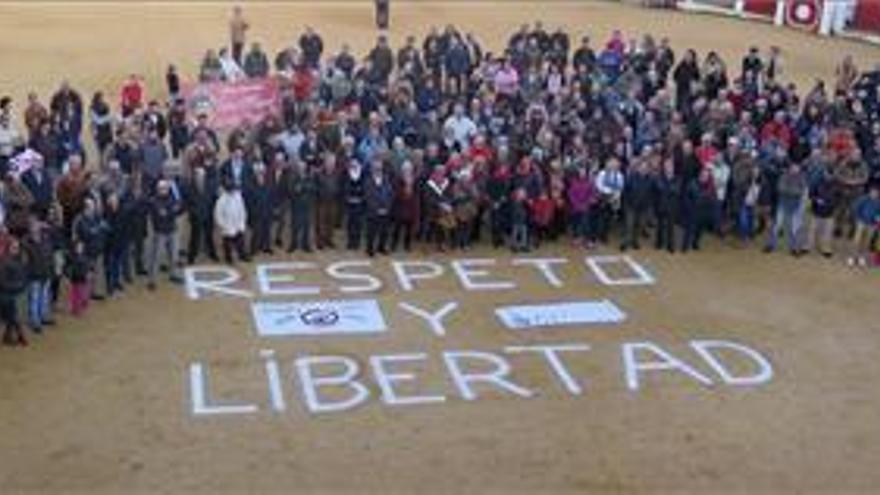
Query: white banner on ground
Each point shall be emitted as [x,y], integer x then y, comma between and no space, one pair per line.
[342,317]
[560,314]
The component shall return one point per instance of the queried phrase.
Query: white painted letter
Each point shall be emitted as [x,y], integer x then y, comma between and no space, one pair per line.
[386,380]
[266,279]
[551,355]
[667,362]
[198,388]
[310,383]
[641,275]
[337,271]
[466,274]
[544,266]
[435,320]
[763,375]
[497,376]
[230,276]
[273,375]
[433,270]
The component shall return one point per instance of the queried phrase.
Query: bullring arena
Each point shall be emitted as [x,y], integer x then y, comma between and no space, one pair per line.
[561,370]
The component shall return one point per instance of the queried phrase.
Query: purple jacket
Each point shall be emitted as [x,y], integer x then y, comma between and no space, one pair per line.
[581,194]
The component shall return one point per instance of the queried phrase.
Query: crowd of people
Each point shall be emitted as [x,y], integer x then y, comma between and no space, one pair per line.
[443,145]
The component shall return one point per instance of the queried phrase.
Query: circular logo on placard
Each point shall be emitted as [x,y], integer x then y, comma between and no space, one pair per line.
[320,317]
[803,14]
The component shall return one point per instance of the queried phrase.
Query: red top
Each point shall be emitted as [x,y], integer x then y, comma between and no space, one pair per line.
[777,131]
[132,94]
[542,210]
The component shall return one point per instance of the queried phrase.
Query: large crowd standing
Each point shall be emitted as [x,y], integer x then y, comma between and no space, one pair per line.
[440,144]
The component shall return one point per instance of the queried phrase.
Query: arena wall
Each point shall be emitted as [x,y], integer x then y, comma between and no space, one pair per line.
[855,19]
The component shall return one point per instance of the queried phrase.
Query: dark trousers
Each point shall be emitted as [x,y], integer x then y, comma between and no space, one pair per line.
[402,228]
[632,228]
[477,225]
[605,217]
[179,140]
[136,258]
[463,232]
[237,50]
[326,223]
[498,219]
[201,232]
[377,234]
[234,243]
[9,316]
[300,227]
[261,234]
[665,238]
[114,265]
[354,225]
[695,222]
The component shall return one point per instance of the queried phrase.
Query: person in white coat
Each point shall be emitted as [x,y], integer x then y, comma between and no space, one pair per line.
[230,218]
[232,72]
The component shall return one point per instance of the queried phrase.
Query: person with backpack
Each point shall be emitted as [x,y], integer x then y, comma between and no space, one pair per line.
[76,269]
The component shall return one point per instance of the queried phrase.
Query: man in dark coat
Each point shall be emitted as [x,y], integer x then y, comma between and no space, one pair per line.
[637,200]
[300,190]
[382,59]
[328,192]
[38,182]
[199,195]
[379,198]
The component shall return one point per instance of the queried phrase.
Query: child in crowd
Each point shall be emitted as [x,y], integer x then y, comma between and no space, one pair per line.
[542,213]
[866,213]
[76,269]
[13,281]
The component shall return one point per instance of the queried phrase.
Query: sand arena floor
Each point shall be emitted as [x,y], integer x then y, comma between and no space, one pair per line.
[103,404]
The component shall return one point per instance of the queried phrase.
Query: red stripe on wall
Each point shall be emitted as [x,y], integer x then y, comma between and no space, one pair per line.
[761,7]
[868,16]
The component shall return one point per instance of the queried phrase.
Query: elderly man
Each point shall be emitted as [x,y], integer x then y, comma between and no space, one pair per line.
[163,211]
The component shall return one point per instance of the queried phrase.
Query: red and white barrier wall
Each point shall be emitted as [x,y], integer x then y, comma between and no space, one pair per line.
[859,18]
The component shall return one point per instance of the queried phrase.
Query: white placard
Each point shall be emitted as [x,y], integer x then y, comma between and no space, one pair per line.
[560,314]
[317,318]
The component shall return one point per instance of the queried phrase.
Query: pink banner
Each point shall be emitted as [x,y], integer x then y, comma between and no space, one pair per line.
[229,104]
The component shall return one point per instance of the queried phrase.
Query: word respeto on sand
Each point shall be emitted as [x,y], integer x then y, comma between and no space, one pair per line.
[285,307]
[362,276]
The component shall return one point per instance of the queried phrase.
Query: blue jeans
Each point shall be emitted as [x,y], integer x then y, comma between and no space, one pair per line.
[39,302]
[746,222]
[114,264]
[788,218]
[519,237]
